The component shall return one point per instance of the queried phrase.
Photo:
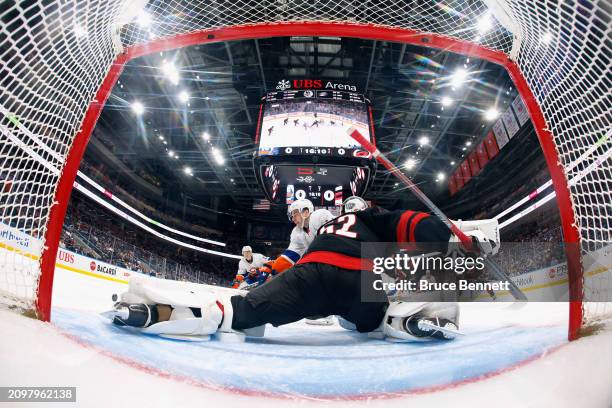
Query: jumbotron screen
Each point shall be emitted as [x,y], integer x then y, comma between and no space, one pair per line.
[313,122]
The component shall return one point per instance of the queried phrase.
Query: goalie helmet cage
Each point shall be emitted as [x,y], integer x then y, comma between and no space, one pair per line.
[60,61]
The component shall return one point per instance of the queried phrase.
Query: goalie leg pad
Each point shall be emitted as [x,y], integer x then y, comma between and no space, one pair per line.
[184,322]
[215,309]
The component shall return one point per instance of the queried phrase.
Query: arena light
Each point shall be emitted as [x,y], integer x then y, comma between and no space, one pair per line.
[79,30]
[446,101]
[188,171]
[546,38]
[468,143]
[410,163]
[458,78]
[491,114]
[484,23]
[138,107]
[218,156]
[171,153]
[161,137]
[183,96]
[170,71]
[144,20]
[453,163]
[206,136]
[441,177]
[423,141]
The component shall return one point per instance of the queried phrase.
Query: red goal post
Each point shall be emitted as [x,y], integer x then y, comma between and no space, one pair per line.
[61,62]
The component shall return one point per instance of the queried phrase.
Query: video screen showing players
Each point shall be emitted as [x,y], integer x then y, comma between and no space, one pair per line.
[307,122]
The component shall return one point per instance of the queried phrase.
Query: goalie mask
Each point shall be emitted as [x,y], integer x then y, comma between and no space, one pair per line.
[354,204]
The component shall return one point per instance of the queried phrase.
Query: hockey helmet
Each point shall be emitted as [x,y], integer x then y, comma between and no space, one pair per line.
[300,205]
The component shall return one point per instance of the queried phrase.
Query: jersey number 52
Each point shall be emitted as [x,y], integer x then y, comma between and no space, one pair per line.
[341,226]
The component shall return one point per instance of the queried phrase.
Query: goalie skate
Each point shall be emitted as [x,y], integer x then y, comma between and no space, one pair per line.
[438,328]
[412,321]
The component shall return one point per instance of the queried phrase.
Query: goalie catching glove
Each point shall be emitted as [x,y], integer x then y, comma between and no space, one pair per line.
[484,235]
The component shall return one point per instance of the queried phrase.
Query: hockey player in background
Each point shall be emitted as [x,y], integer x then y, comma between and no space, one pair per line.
[248,268]
[329,279]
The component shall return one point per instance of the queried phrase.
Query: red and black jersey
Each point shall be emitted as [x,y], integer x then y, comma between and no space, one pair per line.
[339,241]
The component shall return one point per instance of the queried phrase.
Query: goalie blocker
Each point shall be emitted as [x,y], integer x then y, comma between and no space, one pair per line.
[322,283]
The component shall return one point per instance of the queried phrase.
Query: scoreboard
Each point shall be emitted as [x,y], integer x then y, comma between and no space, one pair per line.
[324,185]
[317,94]
[303,146]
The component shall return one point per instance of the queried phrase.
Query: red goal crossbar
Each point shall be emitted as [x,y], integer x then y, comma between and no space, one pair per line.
[364,31]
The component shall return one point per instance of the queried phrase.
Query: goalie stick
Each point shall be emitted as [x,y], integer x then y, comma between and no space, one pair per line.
[465,240]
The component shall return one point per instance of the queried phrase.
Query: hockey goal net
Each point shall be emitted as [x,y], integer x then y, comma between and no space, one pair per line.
[61,59]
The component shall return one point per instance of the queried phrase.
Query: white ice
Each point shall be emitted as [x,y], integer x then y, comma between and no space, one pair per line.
[512,355]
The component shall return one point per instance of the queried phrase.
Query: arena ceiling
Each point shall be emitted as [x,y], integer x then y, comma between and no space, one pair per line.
[196,98]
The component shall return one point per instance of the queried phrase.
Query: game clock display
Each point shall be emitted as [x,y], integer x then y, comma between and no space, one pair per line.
[323,185]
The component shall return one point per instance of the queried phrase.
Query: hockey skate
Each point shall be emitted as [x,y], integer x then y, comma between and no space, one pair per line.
[419,321]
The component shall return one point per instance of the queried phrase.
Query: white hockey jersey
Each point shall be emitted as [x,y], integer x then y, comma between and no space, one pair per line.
[257,262]
[301,238]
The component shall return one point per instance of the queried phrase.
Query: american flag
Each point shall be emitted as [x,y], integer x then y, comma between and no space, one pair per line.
[261,205]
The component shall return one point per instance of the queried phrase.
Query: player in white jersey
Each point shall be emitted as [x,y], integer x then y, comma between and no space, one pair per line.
[250,260]
[307,222]
[248,267]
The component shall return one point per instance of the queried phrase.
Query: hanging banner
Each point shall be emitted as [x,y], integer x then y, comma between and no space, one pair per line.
[474,166]
[458,178]
[491,145]
[520,110]
[481,151]
[465,171]
[500,134]
[510,122]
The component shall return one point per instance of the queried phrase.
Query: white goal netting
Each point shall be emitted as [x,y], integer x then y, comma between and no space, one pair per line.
[55,55]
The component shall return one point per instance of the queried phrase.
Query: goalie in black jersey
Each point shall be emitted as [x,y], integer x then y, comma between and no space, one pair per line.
[329,279]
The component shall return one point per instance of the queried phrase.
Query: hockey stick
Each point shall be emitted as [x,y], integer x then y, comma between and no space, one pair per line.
[465,240]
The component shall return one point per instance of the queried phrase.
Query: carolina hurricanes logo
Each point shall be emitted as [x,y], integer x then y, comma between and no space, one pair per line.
[283,84]
[361,153]
[92,266]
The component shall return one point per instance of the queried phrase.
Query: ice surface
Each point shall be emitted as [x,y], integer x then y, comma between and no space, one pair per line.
[512,355]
